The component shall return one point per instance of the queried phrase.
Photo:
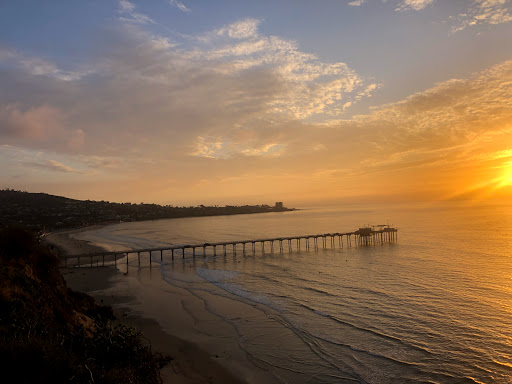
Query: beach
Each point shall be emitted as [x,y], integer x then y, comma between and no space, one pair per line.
[190,363]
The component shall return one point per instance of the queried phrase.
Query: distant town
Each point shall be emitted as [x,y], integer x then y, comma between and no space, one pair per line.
[42,212]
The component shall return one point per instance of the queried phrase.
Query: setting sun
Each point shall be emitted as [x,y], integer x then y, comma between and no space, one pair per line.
[506,178]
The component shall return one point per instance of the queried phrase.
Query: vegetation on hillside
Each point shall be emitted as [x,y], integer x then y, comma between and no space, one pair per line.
[51,334]
[44,212]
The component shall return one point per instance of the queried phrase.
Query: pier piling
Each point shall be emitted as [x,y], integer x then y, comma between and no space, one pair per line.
[366,236]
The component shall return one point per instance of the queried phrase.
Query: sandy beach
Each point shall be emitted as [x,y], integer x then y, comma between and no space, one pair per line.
[65,244]
[190,364]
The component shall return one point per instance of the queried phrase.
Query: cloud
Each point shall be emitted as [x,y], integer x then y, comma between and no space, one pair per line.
[450,105]
[445,124]
[34,124]
[100,162]
[210,148]
[55,165]
[128,14]
[415,5]
[244,29]
[126,6]
[268,150]
[472,13]
[217,148]
[484,12]
[145,93]
[51,165]
[38,66]
[319,147]
[41,126]
[476,12]
[178,4]
[313,87]
[356,3]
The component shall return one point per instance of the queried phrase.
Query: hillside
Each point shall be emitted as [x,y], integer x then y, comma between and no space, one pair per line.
[44,212]
[61,335]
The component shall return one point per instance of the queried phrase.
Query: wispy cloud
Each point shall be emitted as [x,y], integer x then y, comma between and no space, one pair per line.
[244,29]
[51,165]
[311,87]
[415,5]
[476,12]
[101,162]
[484,12]
[472,13]
[126,6]
[356,3]
[444,124]
[269,150]
[128,14]
[213,148]
[39,66]
[178,4]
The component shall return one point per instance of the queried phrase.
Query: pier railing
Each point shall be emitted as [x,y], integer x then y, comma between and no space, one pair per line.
[368,236]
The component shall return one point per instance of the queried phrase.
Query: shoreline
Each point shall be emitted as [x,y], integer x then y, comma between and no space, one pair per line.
[64,244]
[191,364]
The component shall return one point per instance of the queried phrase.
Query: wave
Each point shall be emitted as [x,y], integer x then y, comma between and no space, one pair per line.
[223,279]
[220,279]
[321,291]
[372,332]
[216,275]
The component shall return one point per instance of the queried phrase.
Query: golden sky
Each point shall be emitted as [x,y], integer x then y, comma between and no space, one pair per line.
[191,105]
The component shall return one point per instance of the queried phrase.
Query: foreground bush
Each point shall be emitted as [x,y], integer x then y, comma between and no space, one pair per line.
[50,334]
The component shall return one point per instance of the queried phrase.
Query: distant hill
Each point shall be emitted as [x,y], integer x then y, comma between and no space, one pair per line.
[11,196]
[44,212]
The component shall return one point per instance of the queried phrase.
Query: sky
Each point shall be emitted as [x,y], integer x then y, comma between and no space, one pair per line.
[189,102]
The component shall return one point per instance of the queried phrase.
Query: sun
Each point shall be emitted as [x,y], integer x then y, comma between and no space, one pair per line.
[506,178]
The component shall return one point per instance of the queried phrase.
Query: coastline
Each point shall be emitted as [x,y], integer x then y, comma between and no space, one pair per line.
[190,364]
[64,244]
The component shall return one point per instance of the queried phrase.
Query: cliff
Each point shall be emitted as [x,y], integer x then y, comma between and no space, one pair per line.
[51,334]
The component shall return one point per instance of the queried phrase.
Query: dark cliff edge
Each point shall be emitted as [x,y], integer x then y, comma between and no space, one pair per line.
[51,334]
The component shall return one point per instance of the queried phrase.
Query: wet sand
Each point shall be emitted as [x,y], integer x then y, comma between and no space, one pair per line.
[190,364]
[67,245]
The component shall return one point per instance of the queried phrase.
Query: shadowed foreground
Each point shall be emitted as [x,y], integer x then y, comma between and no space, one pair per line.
[51,334]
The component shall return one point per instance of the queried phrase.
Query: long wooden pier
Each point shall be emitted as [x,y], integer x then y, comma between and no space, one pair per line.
[367,236]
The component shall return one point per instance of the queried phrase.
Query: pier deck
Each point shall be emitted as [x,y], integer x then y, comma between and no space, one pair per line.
[367,236]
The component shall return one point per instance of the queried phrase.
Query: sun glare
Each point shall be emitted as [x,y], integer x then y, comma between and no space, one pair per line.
[506,178]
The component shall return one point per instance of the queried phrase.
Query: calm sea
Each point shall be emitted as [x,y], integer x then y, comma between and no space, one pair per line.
[434,307]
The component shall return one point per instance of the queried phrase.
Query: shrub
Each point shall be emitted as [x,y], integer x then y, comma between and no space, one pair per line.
[43,336]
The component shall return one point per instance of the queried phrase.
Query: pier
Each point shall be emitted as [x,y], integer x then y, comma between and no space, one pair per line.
[366,236]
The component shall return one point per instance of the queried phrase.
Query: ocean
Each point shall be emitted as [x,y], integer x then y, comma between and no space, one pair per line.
[433,307]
